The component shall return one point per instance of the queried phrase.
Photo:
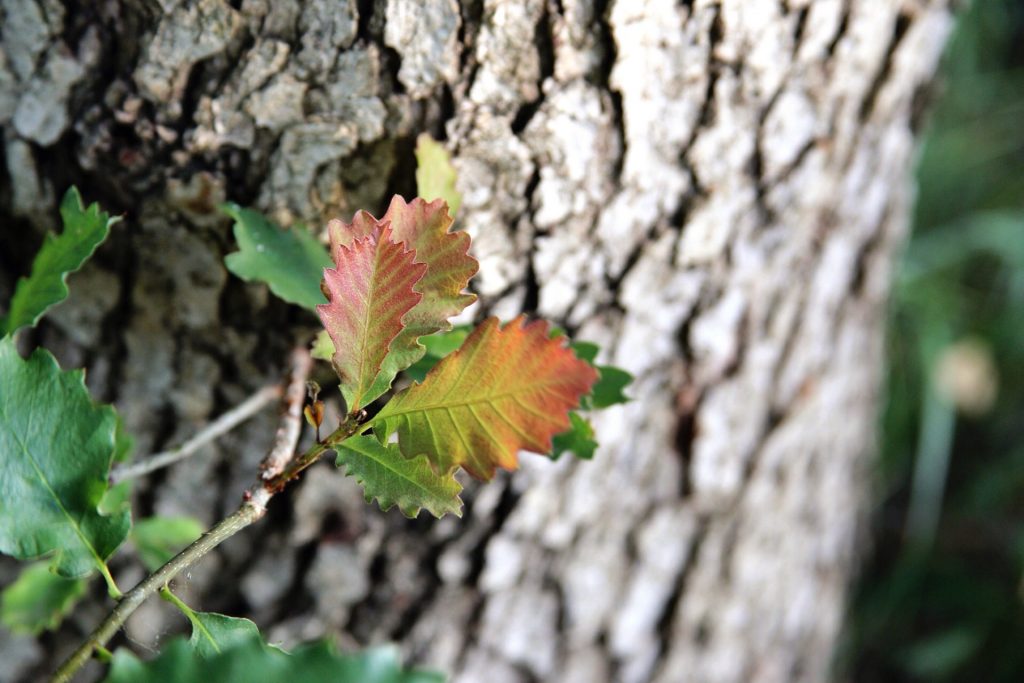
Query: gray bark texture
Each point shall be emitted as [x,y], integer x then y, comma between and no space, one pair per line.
[711,190]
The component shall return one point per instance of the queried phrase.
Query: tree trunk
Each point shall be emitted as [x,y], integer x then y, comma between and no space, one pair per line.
[713,191]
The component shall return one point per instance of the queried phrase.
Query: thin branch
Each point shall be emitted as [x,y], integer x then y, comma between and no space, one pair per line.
[287,436]
[253,508]
[212,431]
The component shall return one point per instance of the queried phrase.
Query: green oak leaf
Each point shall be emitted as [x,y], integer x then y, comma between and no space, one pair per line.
[84,230]
[212,633]
[435,175]
[38,600]
[253,662]
[586,350]
[393,479]
[579,439]
[56,447]
[291,261]
[608,390]
[158,539]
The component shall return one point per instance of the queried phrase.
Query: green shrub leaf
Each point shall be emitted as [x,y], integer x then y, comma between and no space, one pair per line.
[158,539]
[38,599]
[579,439]
[84,230]
[291,261]
[391,478]
[608,390]
[56,447]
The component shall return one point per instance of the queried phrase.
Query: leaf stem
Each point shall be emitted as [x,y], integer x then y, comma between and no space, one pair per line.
[253,508]
[112,588]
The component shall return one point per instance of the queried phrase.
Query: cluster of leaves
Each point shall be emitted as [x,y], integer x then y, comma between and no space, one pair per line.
[940,598]
[385,292]
[478,396]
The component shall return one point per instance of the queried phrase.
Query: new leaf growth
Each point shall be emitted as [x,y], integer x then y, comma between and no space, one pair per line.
[508,388]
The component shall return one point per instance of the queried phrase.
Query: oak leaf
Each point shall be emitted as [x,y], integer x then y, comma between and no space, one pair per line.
[424,228]
[506,389]
[370,290]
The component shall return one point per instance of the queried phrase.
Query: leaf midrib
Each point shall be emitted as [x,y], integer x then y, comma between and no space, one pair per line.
[462,404]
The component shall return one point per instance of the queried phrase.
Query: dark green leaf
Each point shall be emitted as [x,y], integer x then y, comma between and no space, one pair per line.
[608,390]
[393,479]
[84,230]
[254,662]
[291,261]
[56,446]
[38,599]
[585,350]
[158,539]
[579,439]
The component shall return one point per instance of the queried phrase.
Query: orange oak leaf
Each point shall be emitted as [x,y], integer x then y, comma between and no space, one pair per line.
[423,227]
[369,291]
[506,389]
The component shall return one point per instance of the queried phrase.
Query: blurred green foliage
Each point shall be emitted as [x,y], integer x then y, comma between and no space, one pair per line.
[941,597]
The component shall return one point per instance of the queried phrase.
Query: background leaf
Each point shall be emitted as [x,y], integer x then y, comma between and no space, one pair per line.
[56,446]
[38,599]
[578,439]
[370,289]
[438,346]
[291,261]
[506,389]
[254,662]
[158,539]
[411,484]
[608,390]
[84,230]
[435,175]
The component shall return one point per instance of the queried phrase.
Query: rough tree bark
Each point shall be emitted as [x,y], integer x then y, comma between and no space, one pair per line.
[713,191]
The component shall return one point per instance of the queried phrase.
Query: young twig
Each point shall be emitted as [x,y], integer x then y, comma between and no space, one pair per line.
[212,431]
[253,508]
[287,436]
